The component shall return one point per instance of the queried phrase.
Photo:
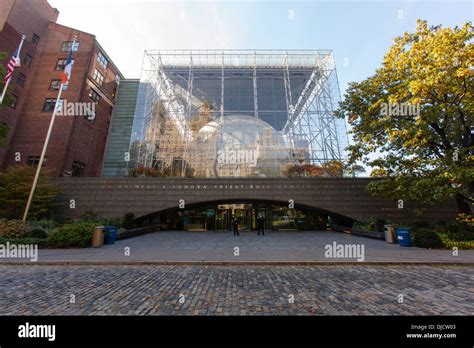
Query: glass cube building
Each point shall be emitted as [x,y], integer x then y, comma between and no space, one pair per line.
[226,113]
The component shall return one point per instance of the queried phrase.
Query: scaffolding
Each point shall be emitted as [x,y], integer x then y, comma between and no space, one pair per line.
[291,95]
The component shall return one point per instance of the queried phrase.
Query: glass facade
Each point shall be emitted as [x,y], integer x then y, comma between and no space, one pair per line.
[219,217]
[235,113]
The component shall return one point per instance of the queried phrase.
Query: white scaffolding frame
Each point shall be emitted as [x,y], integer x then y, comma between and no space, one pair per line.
[310,115]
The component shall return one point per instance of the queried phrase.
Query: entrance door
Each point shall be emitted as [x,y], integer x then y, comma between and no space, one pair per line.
[245,218]
[243,212]
[223,217]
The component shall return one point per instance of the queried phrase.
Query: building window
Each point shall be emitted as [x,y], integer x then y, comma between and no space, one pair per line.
[27,60]
[66,46]
[98,77]
[77,169]
[102,60]
[56,84]
[20,80]
[35,39]
[62,63]
[94,95]
[14,102]
[117,79]
[49,104]
[34,160]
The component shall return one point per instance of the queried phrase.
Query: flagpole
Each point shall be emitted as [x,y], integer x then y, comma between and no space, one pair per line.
[45,146]
[8,82]
[5,91]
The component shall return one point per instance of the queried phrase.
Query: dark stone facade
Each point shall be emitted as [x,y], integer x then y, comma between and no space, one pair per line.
[347,197]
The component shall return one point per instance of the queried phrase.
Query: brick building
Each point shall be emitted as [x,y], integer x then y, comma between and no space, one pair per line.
[77,143]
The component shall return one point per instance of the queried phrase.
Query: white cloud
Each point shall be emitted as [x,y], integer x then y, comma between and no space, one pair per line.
[126,28]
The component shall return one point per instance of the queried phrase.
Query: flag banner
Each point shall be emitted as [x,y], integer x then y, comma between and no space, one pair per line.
[66,75]
[12,64]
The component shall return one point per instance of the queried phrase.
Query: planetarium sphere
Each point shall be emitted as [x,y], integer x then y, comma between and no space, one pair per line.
[239,146]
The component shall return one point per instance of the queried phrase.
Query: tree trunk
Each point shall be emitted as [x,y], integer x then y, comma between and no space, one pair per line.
[464,207]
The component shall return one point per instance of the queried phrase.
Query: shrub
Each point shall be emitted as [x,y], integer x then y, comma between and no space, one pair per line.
[117,222]
[129,221]
[74,235]
[63,219]
[12,228]
[461,245]
[36,233]
[371,224]
[44,224]
[88,215]
[40,242]
[459,232]
[427,238]
[419,224]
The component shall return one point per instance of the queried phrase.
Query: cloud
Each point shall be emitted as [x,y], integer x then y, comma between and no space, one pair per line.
[125,28]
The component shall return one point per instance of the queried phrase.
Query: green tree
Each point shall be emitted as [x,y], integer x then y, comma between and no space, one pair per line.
[3,72]
[15,185]
[3,133]
[355,169]
[3,126]
[426,155]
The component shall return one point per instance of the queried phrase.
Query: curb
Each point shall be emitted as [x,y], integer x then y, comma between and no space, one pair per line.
[235,263]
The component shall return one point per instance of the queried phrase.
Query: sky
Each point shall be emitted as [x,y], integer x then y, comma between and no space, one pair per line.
[358,32]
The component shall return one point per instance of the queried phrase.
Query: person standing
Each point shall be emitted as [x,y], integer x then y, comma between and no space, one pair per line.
[235,226]
[260,224]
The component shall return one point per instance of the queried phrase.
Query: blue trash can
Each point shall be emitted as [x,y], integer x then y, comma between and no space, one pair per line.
[403,236]
[110,235]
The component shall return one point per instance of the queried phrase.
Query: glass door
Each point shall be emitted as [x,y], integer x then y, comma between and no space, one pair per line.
[223,217]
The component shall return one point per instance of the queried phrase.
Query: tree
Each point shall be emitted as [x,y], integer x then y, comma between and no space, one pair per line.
[333,168]
[3,72]
[424,155]
[3,133]
[355,169]
[305,170]
[3,126]
[15,185]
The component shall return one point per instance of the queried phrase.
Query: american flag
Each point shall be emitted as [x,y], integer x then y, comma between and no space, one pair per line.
[12,64]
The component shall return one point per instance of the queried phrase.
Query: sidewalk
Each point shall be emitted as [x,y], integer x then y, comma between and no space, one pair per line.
[306,247]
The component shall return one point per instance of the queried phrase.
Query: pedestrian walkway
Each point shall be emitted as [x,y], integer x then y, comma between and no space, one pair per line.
[223,247]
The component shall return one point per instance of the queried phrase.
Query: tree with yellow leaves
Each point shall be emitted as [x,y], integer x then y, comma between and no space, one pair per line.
[412,121]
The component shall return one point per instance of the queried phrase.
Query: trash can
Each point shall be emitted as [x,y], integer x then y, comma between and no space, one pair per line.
[98,237]
[403,236]
[389,231]
[110,235]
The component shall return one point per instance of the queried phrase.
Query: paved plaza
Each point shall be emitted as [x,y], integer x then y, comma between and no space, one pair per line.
[237,290]
[307,246]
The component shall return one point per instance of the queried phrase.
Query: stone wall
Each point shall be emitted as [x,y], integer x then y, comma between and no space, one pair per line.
[113,197]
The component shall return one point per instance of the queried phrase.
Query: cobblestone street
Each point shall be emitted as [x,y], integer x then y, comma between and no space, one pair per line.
[236,290]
